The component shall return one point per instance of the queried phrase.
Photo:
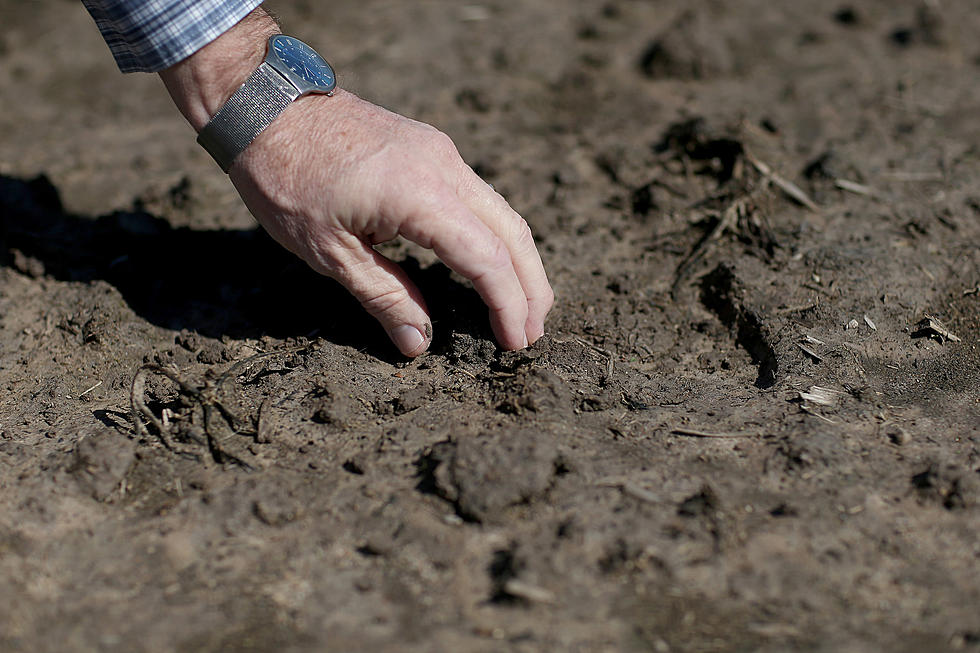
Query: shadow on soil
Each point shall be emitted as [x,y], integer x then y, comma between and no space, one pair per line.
[236,283]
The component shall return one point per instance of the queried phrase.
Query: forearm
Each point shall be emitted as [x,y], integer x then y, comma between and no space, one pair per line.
[201,83]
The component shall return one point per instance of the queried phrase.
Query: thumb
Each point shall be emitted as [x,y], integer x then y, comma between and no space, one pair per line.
[386,292]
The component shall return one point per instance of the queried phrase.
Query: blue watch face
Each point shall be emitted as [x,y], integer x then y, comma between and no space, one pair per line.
[303,60]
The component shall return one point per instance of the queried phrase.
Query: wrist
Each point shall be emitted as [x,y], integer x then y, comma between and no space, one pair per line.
[203,82]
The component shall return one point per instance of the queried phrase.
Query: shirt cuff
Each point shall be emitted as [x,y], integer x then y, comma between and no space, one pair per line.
[151,35]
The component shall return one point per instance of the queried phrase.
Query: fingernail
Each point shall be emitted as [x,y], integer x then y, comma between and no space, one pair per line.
[525,340]
[407,338]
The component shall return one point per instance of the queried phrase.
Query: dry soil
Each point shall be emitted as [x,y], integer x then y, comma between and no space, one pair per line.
[741,433]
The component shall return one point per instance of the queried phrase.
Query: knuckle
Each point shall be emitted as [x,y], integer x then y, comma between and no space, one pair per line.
[442,146]
[498,256]
[383,302]
[321,255]
[523,236]
[548,297]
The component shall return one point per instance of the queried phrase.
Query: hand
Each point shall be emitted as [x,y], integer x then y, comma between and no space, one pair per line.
[333,176]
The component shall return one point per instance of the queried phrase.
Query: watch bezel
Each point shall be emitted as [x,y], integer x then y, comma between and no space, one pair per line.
[303,86]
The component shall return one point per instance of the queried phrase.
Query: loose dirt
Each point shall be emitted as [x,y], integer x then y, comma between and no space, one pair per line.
[738,434]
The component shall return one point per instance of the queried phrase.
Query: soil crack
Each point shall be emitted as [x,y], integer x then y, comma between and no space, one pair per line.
[723,294]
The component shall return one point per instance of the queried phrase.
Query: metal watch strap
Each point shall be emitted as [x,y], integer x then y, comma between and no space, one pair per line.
[251,109]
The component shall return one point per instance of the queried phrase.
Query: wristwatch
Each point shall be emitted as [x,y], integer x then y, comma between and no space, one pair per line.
[291,70]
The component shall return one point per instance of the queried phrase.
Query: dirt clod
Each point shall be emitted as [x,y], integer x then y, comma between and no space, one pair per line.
[101,460]
[485,474]
[688,49]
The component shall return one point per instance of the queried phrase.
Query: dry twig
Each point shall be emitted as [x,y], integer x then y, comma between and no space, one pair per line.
[207,398]
[809,352]
[860,189]
[706,434]
[793,191]
[931,326]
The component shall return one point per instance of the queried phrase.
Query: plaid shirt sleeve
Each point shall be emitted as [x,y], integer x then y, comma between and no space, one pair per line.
[150,35]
